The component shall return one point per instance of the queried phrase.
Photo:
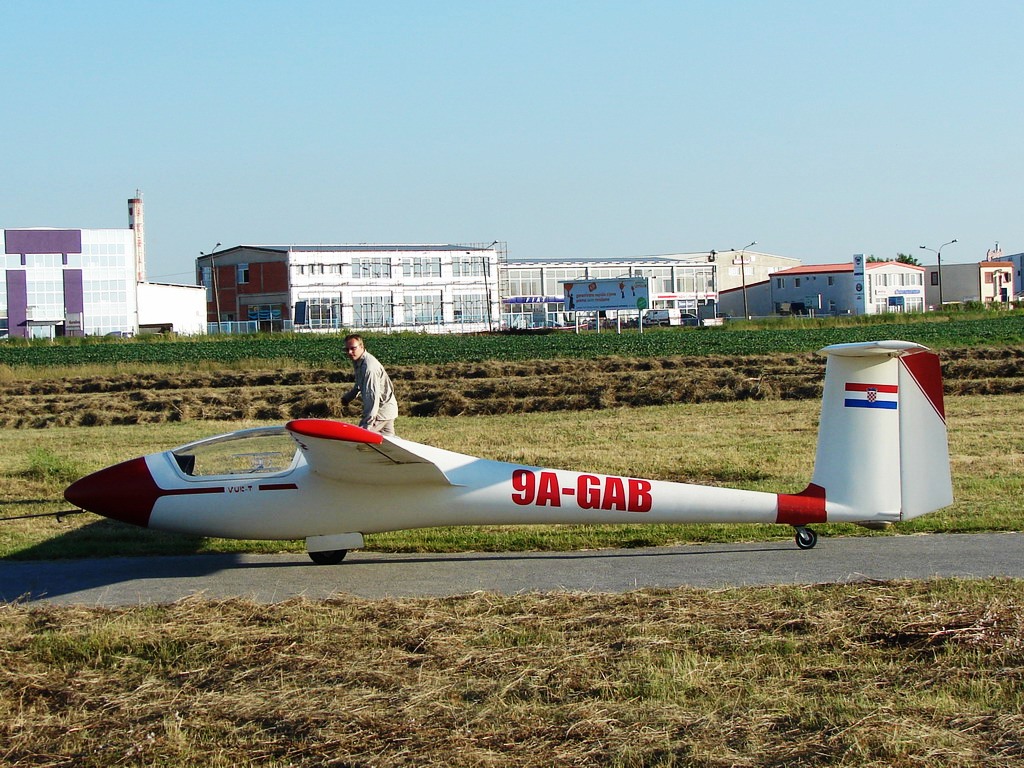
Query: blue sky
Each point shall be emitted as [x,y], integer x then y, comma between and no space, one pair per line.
[566,129]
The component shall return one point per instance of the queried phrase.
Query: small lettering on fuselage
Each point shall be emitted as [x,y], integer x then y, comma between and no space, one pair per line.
[626,494]
[239,488]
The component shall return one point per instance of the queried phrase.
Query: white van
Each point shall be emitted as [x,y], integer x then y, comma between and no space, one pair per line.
[670,317]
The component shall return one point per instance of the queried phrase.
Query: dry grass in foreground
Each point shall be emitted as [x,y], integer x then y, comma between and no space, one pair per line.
[903,674]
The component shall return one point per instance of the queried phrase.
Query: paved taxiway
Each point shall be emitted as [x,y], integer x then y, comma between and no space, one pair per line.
[271,578]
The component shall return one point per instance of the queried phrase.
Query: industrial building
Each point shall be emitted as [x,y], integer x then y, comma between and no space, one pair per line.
[849,288]
[433,288]
[532,293]
[79,282]
[987,282]
[440,288]
[1017,260]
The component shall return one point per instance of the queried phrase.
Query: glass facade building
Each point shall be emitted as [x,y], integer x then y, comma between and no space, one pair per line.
[68,282]
[532,294]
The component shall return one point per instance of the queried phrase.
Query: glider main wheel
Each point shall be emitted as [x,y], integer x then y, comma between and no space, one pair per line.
[805,537]
[329,557]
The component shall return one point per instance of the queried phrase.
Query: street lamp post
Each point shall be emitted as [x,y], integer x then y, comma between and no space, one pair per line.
[486,263]
[213,275]
[938,259]
[743,276]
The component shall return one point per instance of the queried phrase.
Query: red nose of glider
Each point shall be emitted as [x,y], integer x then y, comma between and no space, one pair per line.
[124,492]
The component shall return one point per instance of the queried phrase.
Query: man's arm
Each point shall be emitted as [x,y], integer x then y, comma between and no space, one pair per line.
[371,399]
[349,396]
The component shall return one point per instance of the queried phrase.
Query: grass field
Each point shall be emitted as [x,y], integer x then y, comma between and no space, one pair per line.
[896,674]
[767,446]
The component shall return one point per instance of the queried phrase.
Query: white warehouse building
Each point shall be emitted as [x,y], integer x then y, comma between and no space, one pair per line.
[89,282]
[832,289]
[435,288]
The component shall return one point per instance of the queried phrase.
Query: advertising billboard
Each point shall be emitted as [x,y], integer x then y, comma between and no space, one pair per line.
[612,293]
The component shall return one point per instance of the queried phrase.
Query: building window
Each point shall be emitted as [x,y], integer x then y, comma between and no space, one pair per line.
[525,282]
[703,279]
[935,277]
[371,267]
[780,282]
[796,282]
[470,308]
[324,312]
[243,274]
[424,309]
[468,265]
[208,282]
[685,282]
[372,311]
[421,266]
[267,317]
[831,280]
[263,312]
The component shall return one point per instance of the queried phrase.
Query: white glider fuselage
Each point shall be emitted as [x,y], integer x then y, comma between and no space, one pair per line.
[299,503]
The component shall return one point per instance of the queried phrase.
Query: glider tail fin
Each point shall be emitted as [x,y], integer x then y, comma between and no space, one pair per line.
[882,451]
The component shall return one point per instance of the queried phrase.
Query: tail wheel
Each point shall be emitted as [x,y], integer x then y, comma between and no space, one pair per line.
[805,537]
[329,557]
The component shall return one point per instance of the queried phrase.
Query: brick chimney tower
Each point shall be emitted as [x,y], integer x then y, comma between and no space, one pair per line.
[136,223]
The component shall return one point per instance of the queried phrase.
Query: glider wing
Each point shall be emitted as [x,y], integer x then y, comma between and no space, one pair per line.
[341,451]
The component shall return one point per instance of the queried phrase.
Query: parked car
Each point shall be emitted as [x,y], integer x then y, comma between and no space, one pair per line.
[671,317]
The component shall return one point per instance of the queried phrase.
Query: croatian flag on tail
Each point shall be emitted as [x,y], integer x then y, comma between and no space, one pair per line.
[871,396]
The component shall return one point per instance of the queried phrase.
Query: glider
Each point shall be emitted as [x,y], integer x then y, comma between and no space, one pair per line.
[882,457]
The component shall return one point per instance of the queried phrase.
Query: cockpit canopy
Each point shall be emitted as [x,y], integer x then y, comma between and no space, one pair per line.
[261,450]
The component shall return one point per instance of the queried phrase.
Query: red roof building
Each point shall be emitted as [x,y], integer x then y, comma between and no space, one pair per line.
[832,289]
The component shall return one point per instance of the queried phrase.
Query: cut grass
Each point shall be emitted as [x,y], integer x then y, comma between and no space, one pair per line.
[765,446]
[900,675]
[457,388]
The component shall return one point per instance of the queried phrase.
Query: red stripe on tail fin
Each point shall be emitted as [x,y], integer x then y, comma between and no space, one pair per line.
[924,367]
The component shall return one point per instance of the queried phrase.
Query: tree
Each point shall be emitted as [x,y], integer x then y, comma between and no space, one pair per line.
[901,258]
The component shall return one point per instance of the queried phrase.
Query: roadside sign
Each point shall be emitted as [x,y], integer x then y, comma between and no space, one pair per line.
[612,293]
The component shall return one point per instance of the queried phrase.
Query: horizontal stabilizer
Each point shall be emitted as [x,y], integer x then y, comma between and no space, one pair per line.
[341,451]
